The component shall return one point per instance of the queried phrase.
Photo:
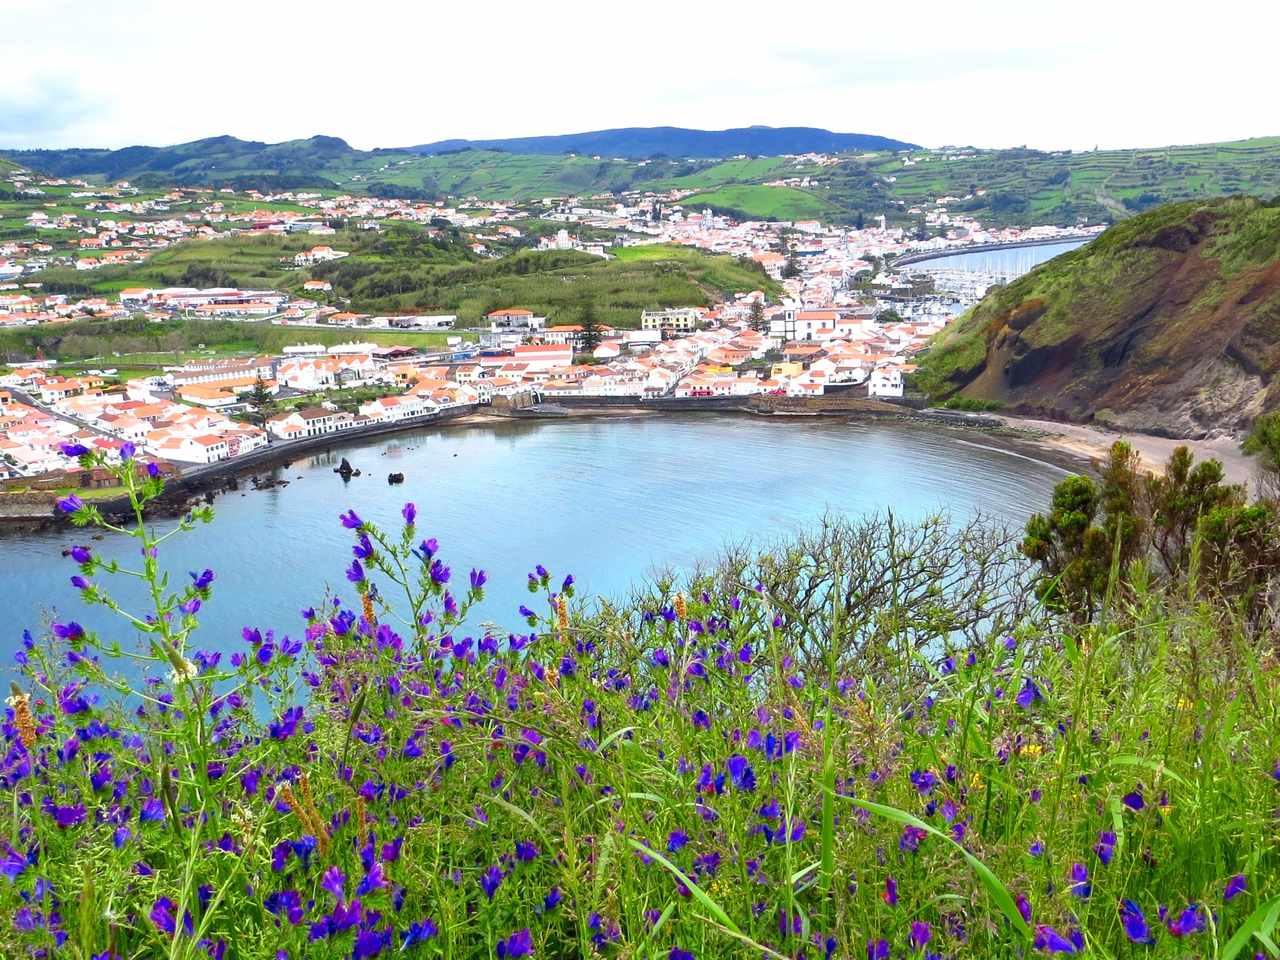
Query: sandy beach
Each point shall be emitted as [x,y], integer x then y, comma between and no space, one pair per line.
[1093,442]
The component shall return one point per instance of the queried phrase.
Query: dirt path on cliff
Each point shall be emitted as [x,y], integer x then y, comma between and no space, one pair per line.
[1094,442]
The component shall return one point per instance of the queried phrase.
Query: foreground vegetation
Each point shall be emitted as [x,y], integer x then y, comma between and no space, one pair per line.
[870,742]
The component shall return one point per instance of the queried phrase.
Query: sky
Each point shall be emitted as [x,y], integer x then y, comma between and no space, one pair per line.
[1041,73]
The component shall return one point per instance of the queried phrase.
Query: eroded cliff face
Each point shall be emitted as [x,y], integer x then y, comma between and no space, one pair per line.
[1168,323]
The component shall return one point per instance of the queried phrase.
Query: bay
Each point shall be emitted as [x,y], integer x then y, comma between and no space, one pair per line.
[609,500]
[1010,262]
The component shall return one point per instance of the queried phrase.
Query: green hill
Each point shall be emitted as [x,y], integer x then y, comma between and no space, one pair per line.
[403,269]
[1017,186]
[1167,323]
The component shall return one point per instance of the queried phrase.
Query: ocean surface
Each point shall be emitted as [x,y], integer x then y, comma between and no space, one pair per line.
[1011,262]
[608,500]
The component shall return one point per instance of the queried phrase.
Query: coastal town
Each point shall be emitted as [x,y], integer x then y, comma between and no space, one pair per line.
[842,319]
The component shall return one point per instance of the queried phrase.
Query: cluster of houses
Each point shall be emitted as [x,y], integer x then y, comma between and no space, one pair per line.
[85,410]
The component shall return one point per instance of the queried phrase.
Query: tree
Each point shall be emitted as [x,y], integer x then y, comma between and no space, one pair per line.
[590,328]
[1076,554]
[859,222]
[1179,499]
[1071,550]
[758,321]
[260,400]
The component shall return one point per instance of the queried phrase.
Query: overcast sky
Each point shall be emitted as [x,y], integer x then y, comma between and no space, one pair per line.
[1044,73]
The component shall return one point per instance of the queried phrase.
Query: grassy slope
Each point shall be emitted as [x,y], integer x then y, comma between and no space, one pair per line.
[765,203]
[1188,290]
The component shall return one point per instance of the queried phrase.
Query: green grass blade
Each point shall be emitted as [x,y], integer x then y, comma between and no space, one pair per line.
[1261,923]
[697,892]
[998,891]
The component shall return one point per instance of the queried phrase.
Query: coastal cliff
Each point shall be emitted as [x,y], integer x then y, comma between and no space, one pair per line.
[1168,323]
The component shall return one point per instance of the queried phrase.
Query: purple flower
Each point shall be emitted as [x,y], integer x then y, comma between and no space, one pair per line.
[363,548]
[1134,801]
[924,781]
[478,579]
[68,816]
[919,935]
[519,944]
[526,851]
[439,572]
[355,572]
[1024,907]
[418,933]
[69,631]
[1235,886]
[1135,924]
[675,953]
[911,839]
[287,725]
[162,915]
[375,879]
[1190,921]
[335,883]
[676,839]
[127,451]
[202,580]
[1080,885]
[1029,695]
[153,470]
[12,864]
[740,772]
[410,514]
[73,450]
[890,894]
[1048,940]
[286,903]
[70,504]
[878,949]
[490,880]
[1105,848]
[81,554]
[350,520]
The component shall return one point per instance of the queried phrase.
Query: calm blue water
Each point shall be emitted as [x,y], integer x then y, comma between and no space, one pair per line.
[1013,262]
[608,500]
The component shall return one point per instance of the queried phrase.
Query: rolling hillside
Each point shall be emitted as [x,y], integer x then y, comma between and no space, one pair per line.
[1000,187]
[1167,323]
[405,270]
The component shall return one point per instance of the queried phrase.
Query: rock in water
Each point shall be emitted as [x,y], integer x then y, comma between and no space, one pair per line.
[344,469]
[395,478]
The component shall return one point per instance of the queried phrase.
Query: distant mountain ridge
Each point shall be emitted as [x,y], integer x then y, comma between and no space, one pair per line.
[638,143]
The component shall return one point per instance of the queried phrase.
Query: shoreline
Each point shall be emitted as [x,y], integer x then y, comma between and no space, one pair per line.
[1091,443]
[1072,448]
